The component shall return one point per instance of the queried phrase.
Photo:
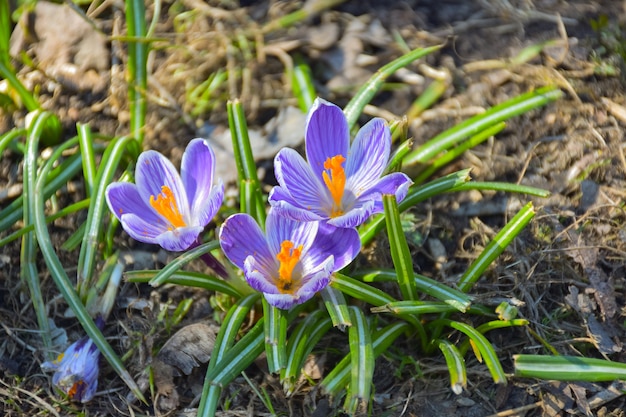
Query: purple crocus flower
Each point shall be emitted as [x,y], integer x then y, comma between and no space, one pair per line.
[164,207]
[341,184]
[76,370]
[291,261]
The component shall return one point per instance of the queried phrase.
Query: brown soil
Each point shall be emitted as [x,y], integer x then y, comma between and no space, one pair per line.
[565,272]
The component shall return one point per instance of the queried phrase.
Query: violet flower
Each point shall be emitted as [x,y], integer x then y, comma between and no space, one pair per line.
[292,260]
[76,370]
[164,207]
[341,184]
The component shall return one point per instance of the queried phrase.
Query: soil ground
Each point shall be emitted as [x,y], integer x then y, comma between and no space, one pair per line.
[565,272]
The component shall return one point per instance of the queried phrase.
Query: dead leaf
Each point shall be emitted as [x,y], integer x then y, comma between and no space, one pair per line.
[65,45]
[188,348]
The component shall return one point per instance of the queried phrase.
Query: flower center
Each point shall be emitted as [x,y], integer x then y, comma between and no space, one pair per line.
[288,257]
[165,205]
[335,179]
[78,385]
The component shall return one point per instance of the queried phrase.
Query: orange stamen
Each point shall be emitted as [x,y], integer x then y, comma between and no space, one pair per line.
[72,392]
[288,258]
[165,205]
[335,182]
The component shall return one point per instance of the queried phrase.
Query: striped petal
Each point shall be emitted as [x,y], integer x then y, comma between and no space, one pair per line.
[240,236]
[356,216]
[180,238]
[326,135]
[280,228]
[155,171]
[124,198]
[142,230]
[258,277]
[369,155]
[197,168]
[297,179]
[396,183]
[343,244]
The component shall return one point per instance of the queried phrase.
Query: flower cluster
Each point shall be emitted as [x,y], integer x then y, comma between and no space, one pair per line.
[310,230]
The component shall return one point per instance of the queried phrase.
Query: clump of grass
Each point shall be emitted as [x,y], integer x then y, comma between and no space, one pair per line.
[427,311]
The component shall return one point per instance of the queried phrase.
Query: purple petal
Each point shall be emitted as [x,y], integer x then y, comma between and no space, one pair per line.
[76,373]
[282,301]
[123,198]
[208,208]
[396,183]
[279,228]
[286,209]
[296,178]
[258,277]
[326,134]
[278,193]
[356,216]
[142,230]
[196,170]
[240,236]
[343,244]
[368,157]
[153,172]
[317,278]
[180,238]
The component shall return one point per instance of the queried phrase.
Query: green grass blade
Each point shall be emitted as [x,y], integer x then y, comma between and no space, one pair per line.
[238,358]
[399,248]
[456,365]
[430,95]
[493,325]
[360,291]
[304,338]
[504,187]
[28,255]
[568,368]
[98,207]
[339,377]
[457,299]
[246,167]
[5,33]
[275,337]
[248,198]
[487,352]
[72,208]
[416,195]
[504,237]
[424,154]
[414,307]
[7,138]
[361,363]
[224,340]
[187,279]
[451,154]
[371,295]
[302,84]
[14,211]
[137,66]
[395,160]
[365,94]
[27,98]
[300,14]
[337,307]
[166,273]
[89,161]
[67,290]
